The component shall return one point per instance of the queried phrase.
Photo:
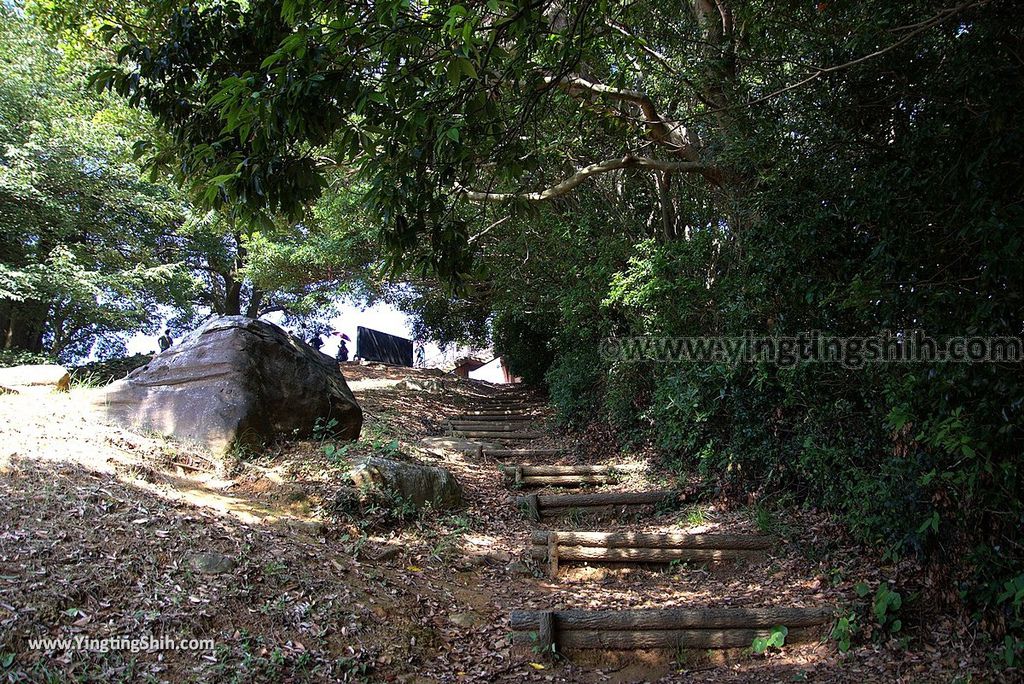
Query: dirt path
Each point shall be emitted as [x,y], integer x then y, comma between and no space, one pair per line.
[100,529]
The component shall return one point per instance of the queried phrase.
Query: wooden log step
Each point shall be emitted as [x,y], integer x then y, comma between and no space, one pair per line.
[534,506]
[641,555]
[604,499]
[506,410]
[499,411]
[566,480]
[509,400]
[654,540]
[531,470]
[477,434]
[634,640]
[563,476]
[500,418]
[489,427]
[676,618]
[525,453]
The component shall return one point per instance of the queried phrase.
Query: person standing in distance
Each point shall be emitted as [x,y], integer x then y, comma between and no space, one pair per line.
[165,341]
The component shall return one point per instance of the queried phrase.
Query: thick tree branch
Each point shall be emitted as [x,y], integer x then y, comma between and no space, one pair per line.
[683,142]
[606,166]
[272,309]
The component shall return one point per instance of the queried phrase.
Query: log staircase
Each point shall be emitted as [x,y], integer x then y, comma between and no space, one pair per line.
[506,425]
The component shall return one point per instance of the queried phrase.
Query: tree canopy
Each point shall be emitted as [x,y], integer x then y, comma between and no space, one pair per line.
[93,250]
[82,233]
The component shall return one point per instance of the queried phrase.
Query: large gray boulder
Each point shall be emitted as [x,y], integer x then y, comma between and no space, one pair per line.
[416,484]
[235,381]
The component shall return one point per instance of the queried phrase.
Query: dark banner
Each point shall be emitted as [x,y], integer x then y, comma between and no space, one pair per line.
[374,345]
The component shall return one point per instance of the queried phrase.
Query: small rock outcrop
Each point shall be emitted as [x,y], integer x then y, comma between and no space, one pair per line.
[235,381]
[211,563]
[48,376]
[417,484]
[429,385]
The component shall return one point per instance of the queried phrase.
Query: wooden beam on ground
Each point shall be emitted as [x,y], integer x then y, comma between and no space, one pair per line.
[677,618]
[657,540]
[490,427]
[642,555]
[565,480]
[499,413]
[477,434]
[632,640]
[506,453]
[500,418]
[582,469]
[555,501]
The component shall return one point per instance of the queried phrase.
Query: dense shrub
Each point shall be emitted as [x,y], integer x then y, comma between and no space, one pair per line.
[921,233]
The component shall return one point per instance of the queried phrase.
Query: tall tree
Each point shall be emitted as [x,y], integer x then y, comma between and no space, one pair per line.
[82,233]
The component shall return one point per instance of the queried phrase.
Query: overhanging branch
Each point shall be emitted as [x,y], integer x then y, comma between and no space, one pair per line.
[683,142]
[606,166]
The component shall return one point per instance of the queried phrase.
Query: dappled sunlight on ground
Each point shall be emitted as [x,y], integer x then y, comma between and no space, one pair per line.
[87,439]
[114,518]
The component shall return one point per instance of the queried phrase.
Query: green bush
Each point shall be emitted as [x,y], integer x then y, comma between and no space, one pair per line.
[524,343]
[575,383]
[10,357]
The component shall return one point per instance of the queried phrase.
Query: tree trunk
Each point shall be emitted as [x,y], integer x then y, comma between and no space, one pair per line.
[255,302]
[232,297]
[26,324]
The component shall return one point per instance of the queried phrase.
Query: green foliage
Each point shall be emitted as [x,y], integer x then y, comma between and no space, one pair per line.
[575,381]
[337,455]
[82,236]
[885,607]
[695,516]
[354,668]
[844,631]
[92,252]
[12,357]
[1011,602]
[324,429]
[775,639]
[548,651]
[524,342]
[877,616]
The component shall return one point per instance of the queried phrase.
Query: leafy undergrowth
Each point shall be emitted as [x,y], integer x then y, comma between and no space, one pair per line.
[97,373]
[102,531]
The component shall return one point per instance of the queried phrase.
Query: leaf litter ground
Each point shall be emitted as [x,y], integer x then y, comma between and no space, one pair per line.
[103,530]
